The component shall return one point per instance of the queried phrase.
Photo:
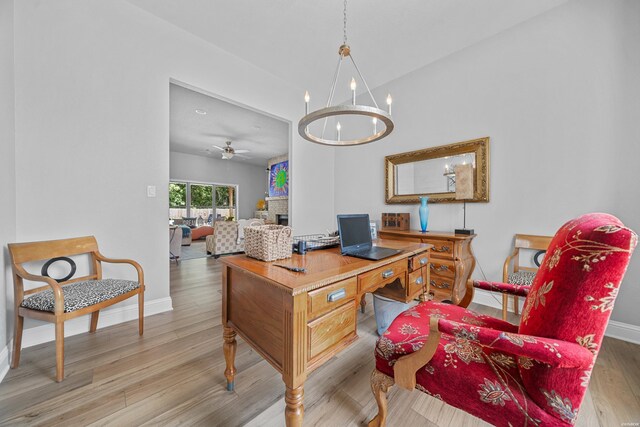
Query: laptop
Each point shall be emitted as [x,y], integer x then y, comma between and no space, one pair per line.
[355,238]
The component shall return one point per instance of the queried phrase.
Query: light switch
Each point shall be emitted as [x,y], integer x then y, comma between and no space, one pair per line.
[151,191]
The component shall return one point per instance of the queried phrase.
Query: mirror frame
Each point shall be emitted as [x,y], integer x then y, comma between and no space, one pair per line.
[480,147]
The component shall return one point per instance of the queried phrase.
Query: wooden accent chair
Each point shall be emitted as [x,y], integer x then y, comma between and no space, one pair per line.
[532,374]
[62,299]
[521,275]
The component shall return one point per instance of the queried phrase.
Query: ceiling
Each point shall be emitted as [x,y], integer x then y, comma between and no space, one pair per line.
[192,133]
[298,40]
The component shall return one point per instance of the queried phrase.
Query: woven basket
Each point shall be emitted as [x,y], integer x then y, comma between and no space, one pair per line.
[267,242]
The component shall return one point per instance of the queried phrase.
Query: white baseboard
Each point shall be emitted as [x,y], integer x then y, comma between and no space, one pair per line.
[622,331]
[4,361]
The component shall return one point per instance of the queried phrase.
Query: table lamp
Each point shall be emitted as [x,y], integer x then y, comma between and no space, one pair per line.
[464,192]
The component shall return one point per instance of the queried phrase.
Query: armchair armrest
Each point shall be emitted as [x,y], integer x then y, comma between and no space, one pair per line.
[504,288]
[557,353]
[135,265]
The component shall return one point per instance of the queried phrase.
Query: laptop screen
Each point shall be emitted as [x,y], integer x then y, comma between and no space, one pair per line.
[354,232]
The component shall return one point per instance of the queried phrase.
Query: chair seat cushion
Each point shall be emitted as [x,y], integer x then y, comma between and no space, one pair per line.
[521,278]
[462,373]
[81,294]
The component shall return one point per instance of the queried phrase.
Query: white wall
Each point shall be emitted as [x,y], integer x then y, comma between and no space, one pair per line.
[92,125]
[558,95]
[7,173]
[251,179]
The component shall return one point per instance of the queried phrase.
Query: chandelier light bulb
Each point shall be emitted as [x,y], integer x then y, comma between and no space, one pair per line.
[375,125]
[353,83]
[306,96]
[338,127]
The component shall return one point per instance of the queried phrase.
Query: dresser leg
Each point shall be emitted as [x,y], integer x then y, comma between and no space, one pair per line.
[363,303]
[229,348]
[294,411]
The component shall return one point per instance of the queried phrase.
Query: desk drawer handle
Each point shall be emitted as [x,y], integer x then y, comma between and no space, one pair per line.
[444,285]
[387,273]
[336,295]
[419,281]
[440,268]
[442,249]
[423,261]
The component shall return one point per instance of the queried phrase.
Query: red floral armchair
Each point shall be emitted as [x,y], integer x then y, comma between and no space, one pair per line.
[532,374]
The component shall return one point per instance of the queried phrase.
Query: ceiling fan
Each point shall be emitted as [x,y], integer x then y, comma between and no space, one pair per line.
[228,152]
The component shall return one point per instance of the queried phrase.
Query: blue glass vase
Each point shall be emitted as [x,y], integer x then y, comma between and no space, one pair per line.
[424,213]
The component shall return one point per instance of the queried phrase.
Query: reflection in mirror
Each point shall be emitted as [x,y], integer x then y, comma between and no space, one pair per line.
[431,172]
[431,176]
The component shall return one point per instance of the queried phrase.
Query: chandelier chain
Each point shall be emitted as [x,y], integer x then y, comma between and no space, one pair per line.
[345,22]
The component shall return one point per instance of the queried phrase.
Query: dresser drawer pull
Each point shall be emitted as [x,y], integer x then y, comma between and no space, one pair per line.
[387,273]
[441,268]
[423,261]
[419,281]
[444,285]
[442,249]
[336,295]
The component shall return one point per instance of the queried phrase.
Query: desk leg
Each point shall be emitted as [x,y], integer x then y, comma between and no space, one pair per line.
[229,347]
[294,411]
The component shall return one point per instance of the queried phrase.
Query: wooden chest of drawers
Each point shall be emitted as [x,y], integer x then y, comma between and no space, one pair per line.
[450,264]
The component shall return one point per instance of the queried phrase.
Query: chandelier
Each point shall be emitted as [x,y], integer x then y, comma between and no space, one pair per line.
[348,109]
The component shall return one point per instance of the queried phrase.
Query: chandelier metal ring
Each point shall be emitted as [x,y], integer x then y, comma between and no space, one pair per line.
[340,110]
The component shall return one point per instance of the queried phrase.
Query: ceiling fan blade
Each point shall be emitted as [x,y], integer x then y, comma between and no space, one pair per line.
[219,148]
[241,151]
[242,156]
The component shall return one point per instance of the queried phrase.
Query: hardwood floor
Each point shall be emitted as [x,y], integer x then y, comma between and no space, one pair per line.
[174,375]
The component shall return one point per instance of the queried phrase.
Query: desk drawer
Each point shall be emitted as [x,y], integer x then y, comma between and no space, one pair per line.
[327,331]
[441,248]
[443,268]
[374,279]
[417,280]
[326,298]
[418,261]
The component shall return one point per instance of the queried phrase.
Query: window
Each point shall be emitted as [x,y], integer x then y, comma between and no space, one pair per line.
[203,202]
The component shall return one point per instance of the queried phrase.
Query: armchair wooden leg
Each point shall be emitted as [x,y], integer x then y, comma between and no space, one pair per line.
[380,385]
[17,341]
[94,321]
[141,312]
[59,351]
[505,306]
[516,309]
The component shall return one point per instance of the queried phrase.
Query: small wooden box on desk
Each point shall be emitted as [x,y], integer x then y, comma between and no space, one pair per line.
[451,261]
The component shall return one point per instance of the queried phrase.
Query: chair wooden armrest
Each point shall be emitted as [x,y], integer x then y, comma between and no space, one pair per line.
[100,257]
[50,283]
[404,371]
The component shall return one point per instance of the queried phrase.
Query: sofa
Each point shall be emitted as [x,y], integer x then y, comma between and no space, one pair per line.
[228,236]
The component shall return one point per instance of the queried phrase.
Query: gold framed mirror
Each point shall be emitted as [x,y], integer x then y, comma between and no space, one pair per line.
[431,172]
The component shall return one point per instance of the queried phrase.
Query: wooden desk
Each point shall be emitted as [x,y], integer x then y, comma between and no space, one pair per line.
[297,321]
[452,261]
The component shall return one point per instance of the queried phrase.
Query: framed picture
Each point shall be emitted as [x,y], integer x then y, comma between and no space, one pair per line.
[279,179]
